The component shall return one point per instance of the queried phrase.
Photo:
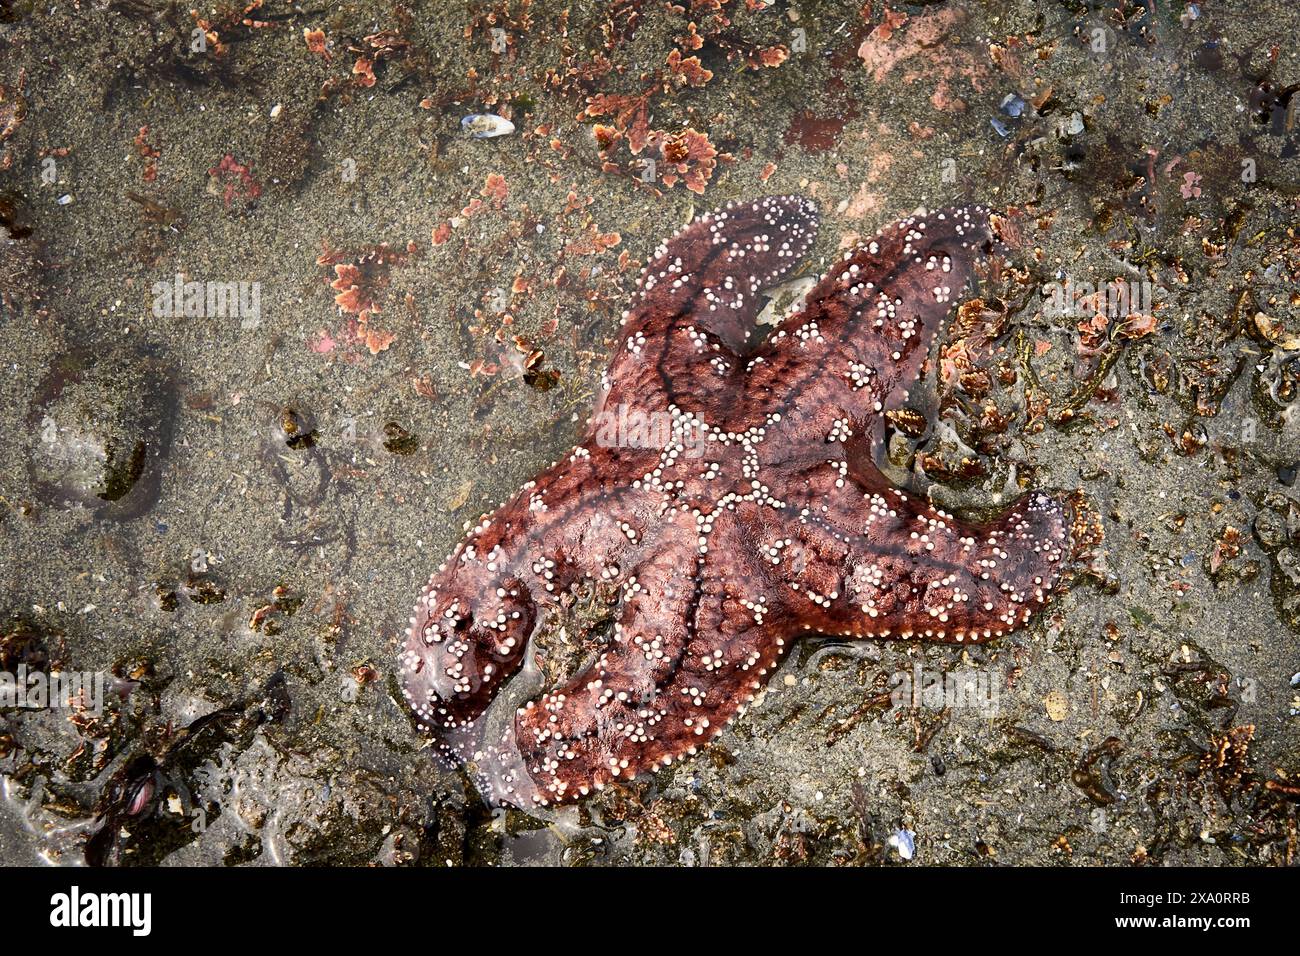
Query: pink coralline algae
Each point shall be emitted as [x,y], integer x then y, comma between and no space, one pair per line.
[236,181]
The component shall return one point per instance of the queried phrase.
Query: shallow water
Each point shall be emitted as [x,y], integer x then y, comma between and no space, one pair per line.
[242,499]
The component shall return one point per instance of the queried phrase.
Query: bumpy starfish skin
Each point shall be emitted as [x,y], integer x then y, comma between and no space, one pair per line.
[757,516]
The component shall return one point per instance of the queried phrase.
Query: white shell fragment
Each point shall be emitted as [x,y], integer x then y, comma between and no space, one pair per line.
[486,125]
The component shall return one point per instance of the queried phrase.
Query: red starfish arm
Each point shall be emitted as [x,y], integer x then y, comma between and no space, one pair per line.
[472,622]
[687,655]
[953,580]
[877,562]
[698,299]
[866,329]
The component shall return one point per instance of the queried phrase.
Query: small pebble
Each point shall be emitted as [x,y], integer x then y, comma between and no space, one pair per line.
[1057,705]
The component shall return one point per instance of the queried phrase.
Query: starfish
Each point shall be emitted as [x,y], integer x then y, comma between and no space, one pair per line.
[725,491]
